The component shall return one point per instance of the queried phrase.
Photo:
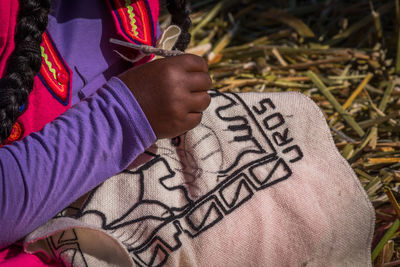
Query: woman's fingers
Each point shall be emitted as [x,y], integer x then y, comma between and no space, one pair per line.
[192,120]
[193,63]
[199,102]
[200,81]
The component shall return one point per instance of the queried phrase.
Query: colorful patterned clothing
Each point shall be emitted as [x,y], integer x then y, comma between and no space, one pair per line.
[100,128]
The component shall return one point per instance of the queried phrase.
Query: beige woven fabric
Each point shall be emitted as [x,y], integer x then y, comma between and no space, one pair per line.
[258,183]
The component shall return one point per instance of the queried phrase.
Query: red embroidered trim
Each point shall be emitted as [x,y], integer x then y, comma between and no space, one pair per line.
[16,133]
[134,20]
[54,73]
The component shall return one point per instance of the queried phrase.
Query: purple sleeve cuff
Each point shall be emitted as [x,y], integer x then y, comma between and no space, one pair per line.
[46,171]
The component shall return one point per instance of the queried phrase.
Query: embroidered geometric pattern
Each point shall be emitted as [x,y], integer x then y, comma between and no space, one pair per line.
[132,17]
[134,20]
[54,72]
[16,133]
[48,63]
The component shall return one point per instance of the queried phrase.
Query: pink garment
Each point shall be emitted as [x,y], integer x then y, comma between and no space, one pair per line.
[15,256]
[50,96]
[8,18]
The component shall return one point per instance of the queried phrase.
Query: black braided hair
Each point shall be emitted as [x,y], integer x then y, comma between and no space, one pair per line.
[24,62]
[180,10]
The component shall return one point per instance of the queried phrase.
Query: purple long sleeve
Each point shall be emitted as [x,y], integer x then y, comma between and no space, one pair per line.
[95,139]
[44,172]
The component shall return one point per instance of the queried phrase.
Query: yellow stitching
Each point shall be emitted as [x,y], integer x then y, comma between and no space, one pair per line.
[131,16]
[48,63]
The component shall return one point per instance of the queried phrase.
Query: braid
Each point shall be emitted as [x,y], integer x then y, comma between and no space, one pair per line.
[180,10]
[24,62]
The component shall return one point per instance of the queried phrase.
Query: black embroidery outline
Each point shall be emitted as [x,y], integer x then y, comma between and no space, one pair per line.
[217,209]
[265,184]
[263,109]
[284,138]
[299,152]
[157,239]
[276,126]
[246,126]
[203,227]
[243,181]
[62,246]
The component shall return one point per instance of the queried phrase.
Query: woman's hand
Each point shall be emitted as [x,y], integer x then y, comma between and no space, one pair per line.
[172,92]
